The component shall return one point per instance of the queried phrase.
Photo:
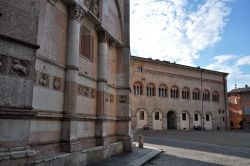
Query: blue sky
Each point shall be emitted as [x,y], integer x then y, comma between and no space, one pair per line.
[213,34]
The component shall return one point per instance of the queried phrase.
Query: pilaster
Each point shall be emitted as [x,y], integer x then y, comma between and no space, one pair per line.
[101,87]
[69,134]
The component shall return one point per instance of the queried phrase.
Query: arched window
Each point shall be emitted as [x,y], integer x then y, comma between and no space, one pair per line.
[150,89]
[162,91]
[206,95]
[138,88]
[185,93]
[174,92]
[196,94]
[215,96]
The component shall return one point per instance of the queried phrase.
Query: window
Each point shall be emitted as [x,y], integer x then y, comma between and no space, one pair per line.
[162,90]
[140,69]
[195,117]
[207,117]
[215,97]
[87,44]
[223,118]
[138,88]
[141,115]
[206,95]
[185,93]
[232,123]
[223,111]
[150,89]
[184,116]
[196,94]
[219,111]
[157,115]
[174,92]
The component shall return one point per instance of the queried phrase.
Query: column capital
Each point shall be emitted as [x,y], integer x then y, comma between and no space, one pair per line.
[103,37]
[76,12]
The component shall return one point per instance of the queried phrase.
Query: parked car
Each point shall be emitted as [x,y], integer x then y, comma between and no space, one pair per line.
[197,127]
[146,127]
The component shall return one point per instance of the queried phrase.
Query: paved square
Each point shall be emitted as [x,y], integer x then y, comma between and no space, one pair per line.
[199,148]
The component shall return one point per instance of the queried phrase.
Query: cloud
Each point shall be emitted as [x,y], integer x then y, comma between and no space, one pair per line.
[173,30]
[232,64]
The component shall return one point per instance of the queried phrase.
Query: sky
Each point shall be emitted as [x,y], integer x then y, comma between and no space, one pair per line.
[212,34]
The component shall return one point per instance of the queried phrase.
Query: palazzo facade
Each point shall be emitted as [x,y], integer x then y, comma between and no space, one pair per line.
[167,95]
[64,81]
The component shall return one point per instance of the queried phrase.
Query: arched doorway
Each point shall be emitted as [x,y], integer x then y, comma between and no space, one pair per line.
[171,120]
[208,121]
[157,120]
[184,121]
[142,119]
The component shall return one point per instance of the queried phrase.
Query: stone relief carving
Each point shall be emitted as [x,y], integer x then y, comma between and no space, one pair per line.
[111,97]
[20,68]
[57,83]
[94,8]
[87,3]
[122,98]
[107,97]
[43,79]
[80,89]
[86,91]
[93,93]
[76,12]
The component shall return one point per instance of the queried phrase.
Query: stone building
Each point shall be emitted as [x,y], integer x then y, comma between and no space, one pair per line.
[239,108]
[64,81]
[167,95]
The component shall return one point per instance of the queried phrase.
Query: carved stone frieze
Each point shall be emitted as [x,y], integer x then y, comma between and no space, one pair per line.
[111,98]
[94,7]
[103,37]
[76,12]
[86,91]
[87,3]
[43,79]
[93,93]
[107,97]
[57,83]
[80,89]
[20,68]
[122,98]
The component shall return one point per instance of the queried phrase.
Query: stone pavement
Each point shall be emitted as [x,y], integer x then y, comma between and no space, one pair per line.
[137,157]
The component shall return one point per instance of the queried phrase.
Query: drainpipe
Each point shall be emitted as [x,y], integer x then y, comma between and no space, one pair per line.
[202,112]
[225,100]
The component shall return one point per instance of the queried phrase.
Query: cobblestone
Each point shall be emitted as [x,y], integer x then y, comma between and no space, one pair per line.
[197,149]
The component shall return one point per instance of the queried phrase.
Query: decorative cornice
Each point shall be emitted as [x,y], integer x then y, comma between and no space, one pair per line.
[76,12]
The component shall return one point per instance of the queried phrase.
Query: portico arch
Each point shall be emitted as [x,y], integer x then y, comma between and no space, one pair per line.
[171,120]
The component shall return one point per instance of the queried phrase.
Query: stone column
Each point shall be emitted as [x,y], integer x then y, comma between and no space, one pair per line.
[101,88]
[69,134]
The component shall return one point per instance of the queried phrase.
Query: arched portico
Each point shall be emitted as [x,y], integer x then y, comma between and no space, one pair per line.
[171,120]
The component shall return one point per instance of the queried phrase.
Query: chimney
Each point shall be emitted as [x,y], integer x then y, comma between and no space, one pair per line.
[235,86]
